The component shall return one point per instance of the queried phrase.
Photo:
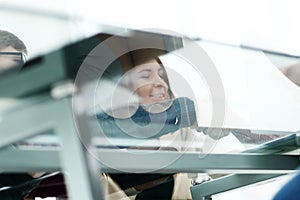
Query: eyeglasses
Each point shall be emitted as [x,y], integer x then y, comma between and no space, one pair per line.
[14,56]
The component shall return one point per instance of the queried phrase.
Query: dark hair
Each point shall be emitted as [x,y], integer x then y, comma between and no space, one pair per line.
[165,78]
[8,39]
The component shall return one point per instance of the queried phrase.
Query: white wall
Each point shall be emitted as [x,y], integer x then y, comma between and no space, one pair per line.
[267,24]
[43,25]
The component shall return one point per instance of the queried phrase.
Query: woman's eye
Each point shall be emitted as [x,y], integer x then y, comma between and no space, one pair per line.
[145,76]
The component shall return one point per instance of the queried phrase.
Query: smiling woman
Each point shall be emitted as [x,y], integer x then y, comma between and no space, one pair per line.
[150,82]
[146,79]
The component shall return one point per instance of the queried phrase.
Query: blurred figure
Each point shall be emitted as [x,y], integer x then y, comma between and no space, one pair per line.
[12,54]
[293,73]
[12,51]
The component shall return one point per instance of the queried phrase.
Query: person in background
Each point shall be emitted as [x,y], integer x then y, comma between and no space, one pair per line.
[12,54]
[12,51]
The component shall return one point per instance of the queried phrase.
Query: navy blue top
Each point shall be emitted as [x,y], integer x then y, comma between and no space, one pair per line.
[291,191]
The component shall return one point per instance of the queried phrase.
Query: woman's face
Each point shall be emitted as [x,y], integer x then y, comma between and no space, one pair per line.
[148,84]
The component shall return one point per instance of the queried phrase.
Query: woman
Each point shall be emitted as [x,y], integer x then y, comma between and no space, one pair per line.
[148,81]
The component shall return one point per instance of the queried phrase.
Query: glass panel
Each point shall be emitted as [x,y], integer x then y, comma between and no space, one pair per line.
[158,99]
[155,95]
[142,104]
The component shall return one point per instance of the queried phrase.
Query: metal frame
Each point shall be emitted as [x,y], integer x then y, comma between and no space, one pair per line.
[205,190]
[48,159]
[73,158]
[194,162]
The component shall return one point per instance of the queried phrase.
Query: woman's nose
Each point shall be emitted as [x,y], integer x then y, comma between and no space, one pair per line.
[159,82]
